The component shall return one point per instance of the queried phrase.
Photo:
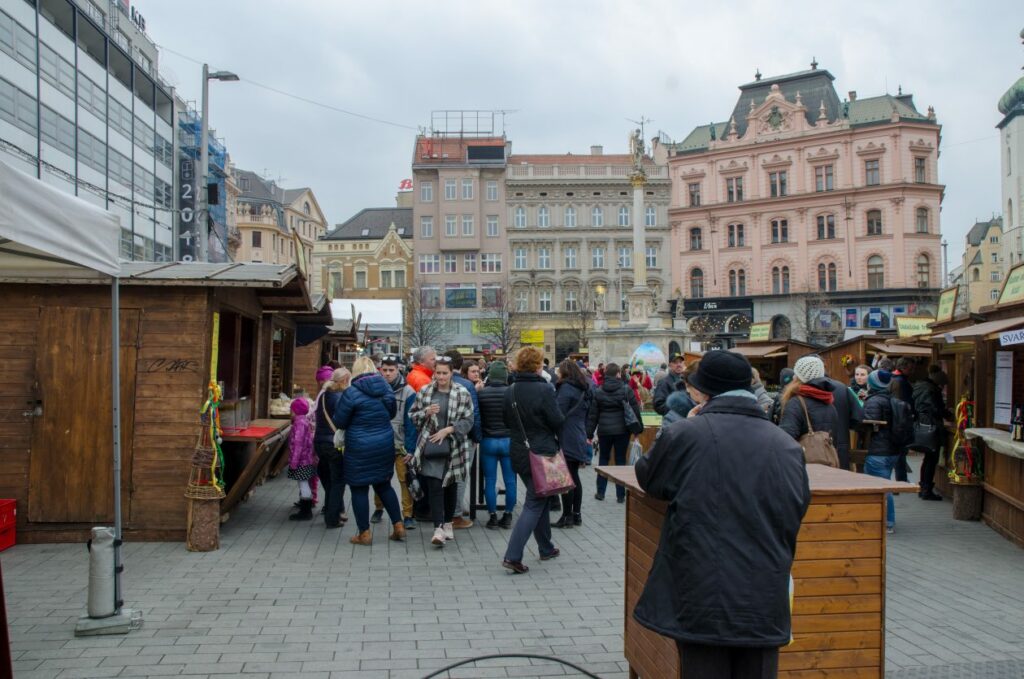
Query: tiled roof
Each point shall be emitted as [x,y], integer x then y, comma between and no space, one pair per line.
[879,109]
[252,186]
[436,149]
[979,231]
[372,223]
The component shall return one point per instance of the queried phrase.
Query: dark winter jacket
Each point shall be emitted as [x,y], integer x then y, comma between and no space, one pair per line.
[879,407]
[324,433]
[665,387]
[850,413]
[929,406]
[364,412]
[606,414]
[823,415]
[476,434]
[900,388]
[575,404]
[540,416]
[737,490]
[492,411]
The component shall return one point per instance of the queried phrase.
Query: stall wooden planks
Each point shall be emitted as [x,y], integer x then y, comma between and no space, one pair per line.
[838,573]
[1003,508]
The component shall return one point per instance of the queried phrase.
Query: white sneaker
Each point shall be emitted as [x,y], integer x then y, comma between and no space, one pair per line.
[449,531]
[438,538]
[890,530]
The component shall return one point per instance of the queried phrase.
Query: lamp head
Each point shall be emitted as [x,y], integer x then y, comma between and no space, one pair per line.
[227,76]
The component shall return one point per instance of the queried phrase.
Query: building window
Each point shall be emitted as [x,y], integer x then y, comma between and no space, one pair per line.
[737,282]
[650,216]
[874,222]
[543,258]
[522,301]
[922,220]
[694,194]
[257,239]
[492,190]
[597,216]
[876,273]
[570,217]
[305,207]
[994,295]
[491,262]
[924,271]
[385,279]
[823,178]
[597,258]
[651,257]
[335,283]
[492,226]
[467,189]
[625,257]
[623,216]
[975,275]
[826,227]
[426,227]
[449,189]
[450,264]
[426,192]
[780,280]
[490,295]
[696,283]
[780,231]
[872,175]
[696,242]
[778,184]
[736,237]
[570,258]
[994,276]
[469,262]
[544,301]
[734,190]
[361,280]
[467,225]
[430,296]
[827,277]
[995,257]
[920,175]
[519,218]
[519,261]
[571,302]
[543,217]
[450,228]
[399,276]
[993,239]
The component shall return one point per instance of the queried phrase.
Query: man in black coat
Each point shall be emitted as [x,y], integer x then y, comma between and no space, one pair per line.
[673,381]
[737,490]
[851,413]
[930,412]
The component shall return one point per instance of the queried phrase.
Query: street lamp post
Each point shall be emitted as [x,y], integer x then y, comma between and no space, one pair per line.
[204,161]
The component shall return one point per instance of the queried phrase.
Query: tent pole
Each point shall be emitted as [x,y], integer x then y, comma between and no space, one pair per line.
[115,333]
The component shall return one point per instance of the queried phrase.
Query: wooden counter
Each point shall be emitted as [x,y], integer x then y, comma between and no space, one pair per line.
[1003,481]
[839,577]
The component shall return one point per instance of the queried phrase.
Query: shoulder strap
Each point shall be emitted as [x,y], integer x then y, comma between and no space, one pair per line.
[807,415]
[323,403]
[515,409]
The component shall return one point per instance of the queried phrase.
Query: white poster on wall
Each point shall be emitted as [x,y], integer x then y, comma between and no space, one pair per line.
[1004,387]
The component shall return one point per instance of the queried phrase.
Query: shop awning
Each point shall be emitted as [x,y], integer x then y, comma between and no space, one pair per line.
[903,349]
[989,330]
[759,350]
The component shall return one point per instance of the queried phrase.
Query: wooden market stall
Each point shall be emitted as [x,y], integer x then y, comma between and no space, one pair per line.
[55,435]
[865,348]
[983,355]
[839,578]
[770,357]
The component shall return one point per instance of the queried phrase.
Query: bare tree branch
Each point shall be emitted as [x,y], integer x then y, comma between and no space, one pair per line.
[423,323]
[503,323]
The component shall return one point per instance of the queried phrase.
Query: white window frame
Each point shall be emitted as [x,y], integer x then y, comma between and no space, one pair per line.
[650,216]
[492,226]
[519,217]
[597,257]
[571,302]
[426,192]
[426,226]
[597,216]
[544,258]
[467,189]
[625,257]
[451,263]
[467,225]
[469,262]
[651,257]
[430,264]
[623,215]
[569,258]
[451,189]
[543,217]
[544,301]
[570,217]
[451,226]
[492,190]
[522,301]
[519,263]
[490,262]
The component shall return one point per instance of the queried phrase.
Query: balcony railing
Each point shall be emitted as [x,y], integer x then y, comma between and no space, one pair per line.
[576,171]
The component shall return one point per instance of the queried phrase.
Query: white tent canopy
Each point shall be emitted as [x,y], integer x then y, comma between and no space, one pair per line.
[41,226]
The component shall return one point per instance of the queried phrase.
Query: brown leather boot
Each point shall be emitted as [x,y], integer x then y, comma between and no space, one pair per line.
[364,538]
[398,534]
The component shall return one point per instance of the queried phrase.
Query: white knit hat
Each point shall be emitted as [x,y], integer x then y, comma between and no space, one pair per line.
[809,368]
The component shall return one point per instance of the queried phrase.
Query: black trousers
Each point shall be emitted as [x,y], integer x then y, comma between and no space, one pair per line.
[332,476]
[572,501]
[442,500]
[726,662]
[928,466]
[901,466]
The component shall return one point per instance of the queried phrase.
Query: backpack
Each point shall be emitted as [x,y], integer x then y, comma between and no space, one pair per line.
[817,445]
[633,423]
[901,429]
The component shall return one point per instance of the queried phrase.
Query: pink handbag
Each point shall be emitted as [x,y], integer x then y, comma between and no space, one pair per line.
[550,473]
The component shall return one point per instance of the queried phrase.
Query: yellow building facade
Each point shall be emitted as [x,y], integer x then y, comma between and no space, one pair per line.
[367,257]
[983,268]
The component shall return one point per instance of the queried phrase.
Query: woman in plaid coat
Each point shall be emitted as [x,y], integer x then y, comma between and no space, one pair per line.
[443,415]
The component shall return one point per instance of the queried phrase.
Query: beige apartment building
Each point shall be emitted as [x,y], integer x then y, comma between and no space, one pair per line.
[367,257]
[982,270]
[274,222]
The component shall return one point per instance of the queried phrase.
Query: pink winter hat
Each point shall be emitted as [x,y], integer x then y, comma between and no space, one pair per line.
[323,373]
[300,406]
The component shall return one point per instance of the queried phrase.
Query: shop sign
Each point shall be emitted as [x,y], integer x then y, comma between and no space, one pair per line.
[704,306]
[188,247]
[947,304]
[1013,286]
[760,332]
[852,321]
[460,298]
[1011,337]
[874,317]
[912,326]
[531,337]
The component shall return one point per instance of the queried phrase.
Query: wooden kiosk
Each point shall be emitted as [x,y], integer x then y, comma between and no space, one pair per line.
[770,357]
[839,577]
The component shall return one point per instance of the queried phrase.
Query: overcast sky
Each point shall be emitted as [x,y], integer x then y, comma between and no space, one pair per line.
[573,72]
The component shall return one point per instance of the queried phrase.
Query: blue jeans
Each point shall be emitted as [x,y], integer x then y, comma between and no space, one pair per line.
[882,466]
[492,453]
[606,444]
[533,519]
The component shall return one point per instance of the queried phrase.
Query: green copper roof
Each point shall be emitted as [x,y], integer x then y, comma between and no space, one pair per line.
[1014,98]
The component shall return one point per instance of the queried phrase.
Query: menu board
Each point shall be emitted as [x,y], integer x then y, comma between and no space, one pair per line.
[760,332]
[1013,286]
[912,326]
[1003,400]
[947,304]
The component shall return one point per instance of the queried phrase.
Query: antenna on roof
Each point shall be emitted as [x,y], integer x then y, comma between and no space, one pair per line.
[503,113]
[814,63]
[643,121]
[757,75]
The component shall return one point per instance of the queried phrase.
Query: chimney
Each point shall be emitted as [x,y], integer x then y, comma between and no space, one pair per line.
[597,150]
[852,94]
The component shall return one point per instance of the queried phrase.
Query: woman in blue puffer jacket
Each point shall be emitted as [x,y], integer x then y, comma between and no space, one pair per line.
[364,412]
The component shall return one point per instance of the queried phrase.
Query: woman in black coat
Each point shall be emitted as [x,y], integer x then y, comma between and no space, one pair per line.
[607,418]
[531,414]
[575,399]
[812,389]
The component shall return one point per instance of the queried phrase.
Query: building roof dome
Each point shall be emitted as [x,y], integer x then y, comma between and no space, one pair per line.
[1014,97]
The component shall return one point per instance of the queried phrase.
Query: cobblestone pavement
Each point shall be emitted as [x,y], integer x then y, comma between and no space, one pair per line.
[286,599]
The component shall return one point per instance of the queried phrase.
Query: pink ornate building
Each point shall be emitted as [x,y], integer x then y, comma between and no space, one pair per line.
[803,196]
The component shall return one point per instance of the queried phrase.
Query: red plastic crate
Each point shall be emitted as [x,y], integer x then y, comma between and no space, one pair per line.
[8,518]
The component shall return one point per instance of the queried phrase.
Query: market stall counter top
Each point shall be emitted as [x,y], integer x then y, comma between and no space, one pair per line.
[250,456]
[839,578]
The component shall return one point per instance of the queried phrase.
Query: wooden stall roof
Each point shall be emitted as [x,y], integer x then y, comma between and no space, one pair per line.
[824,481]
[901,349]
[985,330]
[758,350]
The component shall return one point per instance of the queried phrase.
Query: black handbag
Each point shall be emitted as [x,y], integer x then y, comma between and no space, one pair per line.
[437,451]
[925,437]
[633,423]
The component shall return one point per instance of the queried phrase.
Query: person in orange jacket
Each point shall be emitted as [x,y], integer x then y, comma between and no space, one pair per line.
[423,368]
